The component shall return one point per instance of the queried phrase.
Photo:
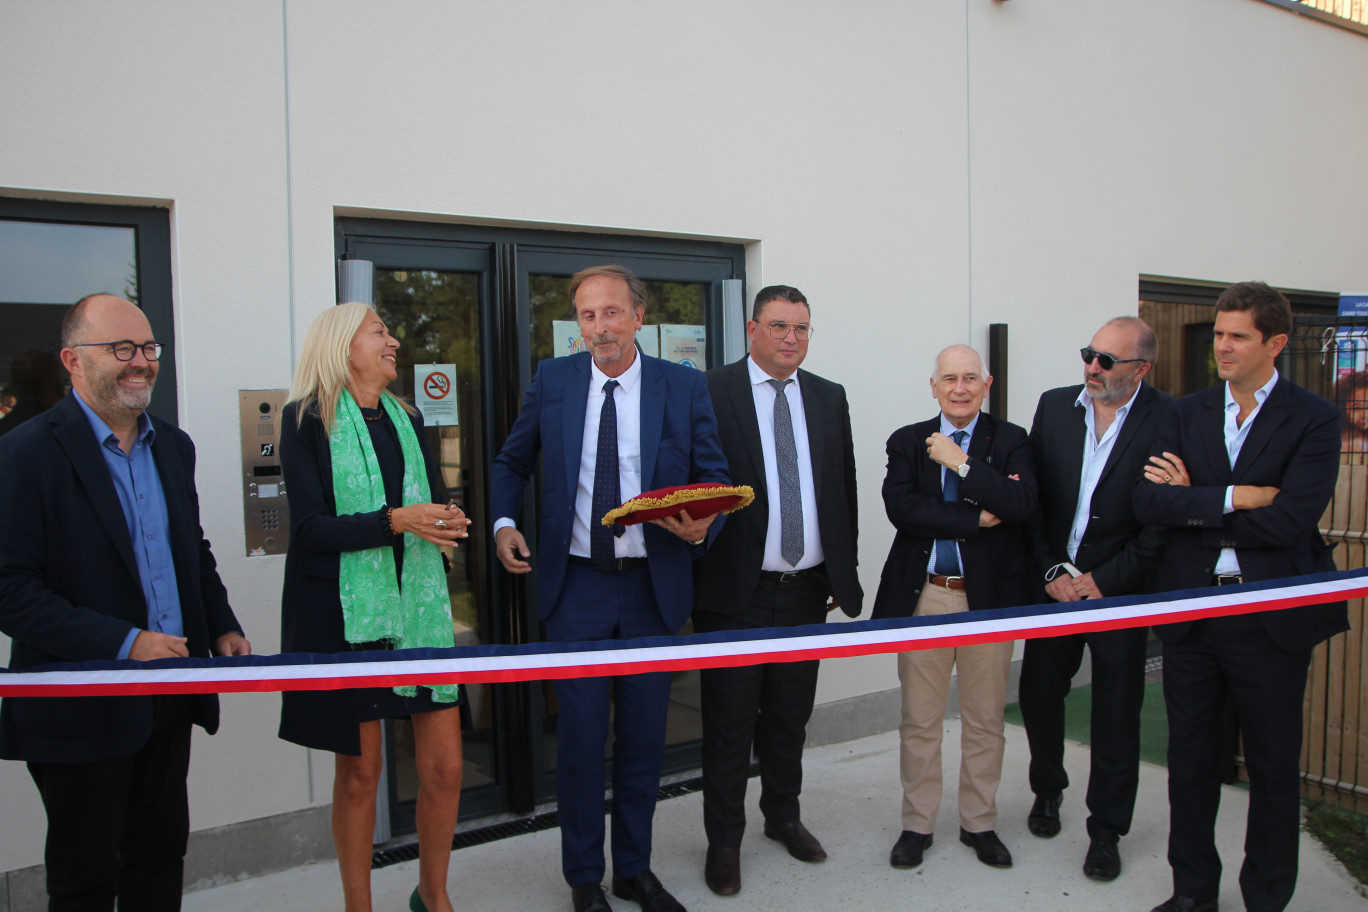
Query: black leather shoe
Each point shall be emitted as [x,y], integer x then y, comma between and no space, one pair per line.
[1044,817]
[907,851]
[722,872]
[1176,903]
[987,847]
[645,888]
[1103,861]
[801,844]
[589,898]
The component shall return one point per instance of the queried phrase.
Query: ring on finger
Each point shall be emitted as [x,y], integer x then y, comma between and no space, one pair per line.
[441,524]
[1168,479]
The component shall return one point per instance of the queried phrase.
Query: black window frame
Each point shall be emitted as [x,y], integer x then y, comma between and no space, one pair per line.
[152,248]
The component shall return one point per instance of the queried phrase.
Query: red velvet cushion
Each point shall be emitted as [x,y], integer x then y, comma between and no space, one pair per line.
[700,500]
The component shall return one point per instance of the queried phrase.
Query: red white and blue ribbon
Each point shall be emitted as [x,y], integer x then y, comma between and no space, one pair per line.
[545,661]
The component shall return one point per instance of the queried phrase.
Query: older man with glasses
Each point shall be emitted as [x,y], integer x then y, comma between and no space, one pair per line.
[1090,444]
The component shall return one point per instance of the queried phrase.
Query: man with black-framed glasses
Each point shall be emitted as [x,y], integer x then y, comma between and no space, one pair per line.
[1090,443]
[102,557]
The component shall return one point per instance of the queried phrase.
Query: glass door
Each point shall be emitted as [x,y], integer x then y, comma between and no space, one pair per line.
[436,304]
[489,304]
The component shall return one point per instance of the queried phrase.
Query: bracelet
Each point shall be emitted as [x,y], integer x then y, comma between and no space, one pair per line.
[389,520]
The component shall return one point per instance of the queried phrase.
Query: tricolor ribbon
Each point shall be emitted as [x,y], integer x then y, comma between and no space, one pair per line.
[545,661]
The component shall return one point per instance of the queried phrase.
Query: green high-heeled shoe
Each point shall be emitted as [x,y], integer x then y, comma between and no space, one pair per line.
[416,902]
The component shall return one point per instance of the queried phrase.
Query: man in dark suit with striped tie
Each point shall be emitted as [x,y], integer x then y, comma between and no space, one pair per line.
[784,561]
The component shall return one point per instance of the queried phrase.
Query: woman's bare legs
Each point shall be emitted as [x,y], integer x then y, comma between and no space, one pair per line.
[353,817]
[440,766]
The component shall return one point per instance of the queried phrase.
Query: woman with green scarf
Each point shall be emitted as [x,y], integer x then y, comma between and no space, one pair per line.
[363,571]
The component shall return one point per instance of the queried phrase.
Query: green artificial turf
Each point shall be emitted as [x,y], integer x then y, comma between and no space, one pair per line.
[1078,707]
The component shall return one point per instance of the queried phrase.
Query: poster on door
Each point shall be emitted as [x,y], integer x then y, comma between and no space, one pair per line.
[684,344]
[434,392]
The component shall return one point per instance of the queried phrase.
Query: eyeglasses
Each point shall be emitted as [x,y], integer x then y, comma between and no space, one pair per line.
[779,330]
[125,348]
[1104,361]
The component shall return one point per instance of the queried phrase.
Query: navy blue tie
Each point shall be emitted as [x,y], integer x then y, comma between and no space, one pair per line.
[947,556]
[607,491]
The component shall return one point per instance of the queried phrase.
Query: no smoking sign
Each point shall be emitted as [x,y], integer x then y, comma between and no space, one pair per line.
[433,384]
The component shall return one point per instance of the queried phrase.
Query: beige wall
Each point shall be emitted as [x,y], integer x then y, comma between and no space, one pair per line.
[920,170]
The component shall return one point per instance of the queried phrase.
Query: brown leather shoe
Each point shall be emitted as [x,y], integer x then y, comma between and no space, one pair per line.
[722,872]
[801,844]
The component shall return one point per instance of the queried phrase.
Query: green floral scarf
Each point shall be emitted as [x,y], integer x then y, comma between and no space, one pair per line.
[411,613]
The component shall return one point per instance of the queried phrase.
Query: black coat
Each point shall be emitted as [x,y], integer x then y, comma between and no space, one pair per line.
[997,561]
[1293,445]
[69,584]
[310,605]
[726,577]
[1116,549]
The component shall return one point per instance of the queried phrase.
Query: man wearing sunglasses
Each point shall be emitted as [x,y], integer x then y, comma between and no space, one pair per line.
[1241,473]
[783,562]
[102,557]
[1090,443]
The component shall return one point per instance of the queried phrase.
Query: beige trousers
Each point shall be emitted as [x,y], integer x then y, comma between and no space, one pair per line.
[925,678]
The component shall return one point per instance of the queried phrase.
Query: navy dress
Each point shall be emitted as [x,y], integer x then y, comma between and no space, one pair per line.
[311,609]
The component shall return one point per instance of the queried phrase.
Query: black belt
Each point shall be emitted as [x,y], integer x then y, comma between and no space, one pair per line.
[618,563]
[1226,580]
[785,576]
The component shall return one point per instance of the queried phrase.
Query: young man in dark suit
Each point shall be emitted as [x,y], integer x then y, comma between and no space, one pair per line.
[102,557]
[960,490]
[609,423]
[786,560]
[1240,474]
[1090,444]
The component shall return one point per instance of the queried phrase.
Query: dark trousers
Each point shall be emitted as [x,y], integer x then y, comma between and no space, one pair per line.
[765,705]
[1118,689]
[1266,684]
[617,605]
[118,827]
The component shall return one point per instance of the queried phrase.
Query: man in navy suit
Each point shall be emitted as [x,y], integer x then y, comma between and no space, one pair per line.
[1090,444]
[960,489]
[609,424]
[102,557]
[1241,474]
[784,561]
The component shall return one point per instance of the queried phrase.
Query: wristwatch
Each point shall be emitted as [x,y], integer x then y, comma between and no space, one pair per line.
[963,470]
[699,542]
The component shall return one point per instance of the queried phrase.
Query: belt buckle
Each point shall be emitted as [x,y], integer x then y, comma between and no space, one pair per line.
[1229,579]
[787,575]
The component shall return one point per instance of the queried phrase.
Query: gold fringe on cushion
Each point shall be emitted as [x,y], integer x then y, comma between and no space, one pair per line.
[681,498]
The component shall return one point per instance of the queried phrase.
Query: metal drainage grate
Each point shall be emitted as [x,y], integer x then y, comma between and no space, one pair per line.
[535,824]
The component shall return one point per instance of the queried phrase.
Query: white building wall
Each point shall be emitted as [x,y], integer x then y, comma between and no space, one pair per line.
[919,170]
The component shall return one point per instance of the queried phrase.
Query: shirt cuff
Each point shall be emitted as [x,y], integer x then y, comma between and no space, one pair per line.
[127,646]
[1230,500]
[503,522]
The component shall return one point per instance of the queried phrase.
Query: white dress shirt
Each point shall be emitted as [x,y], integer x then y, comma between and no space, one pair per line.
[1235,434]
[1095,455]
[948,429]
[764,395]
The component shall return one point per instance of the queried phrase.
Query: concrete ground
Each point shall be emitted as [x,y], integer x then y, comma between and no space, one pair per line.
[851,801]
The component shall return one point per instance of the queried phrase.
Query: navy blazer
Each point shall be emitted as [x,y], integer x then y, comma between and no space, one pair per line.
[69,585]
[997,561]
[679,446]
[1116,549]
[1293,445]
[726,577]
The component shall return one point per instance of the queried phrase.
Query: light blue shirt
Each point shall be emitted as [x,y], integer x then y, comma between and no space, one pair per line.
[948,429]
[144,507]
[1095,455]
[1235,434]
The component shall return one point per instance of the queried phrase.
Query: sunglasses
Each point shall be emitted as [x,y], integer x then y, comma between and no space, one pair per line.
[1104,361]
